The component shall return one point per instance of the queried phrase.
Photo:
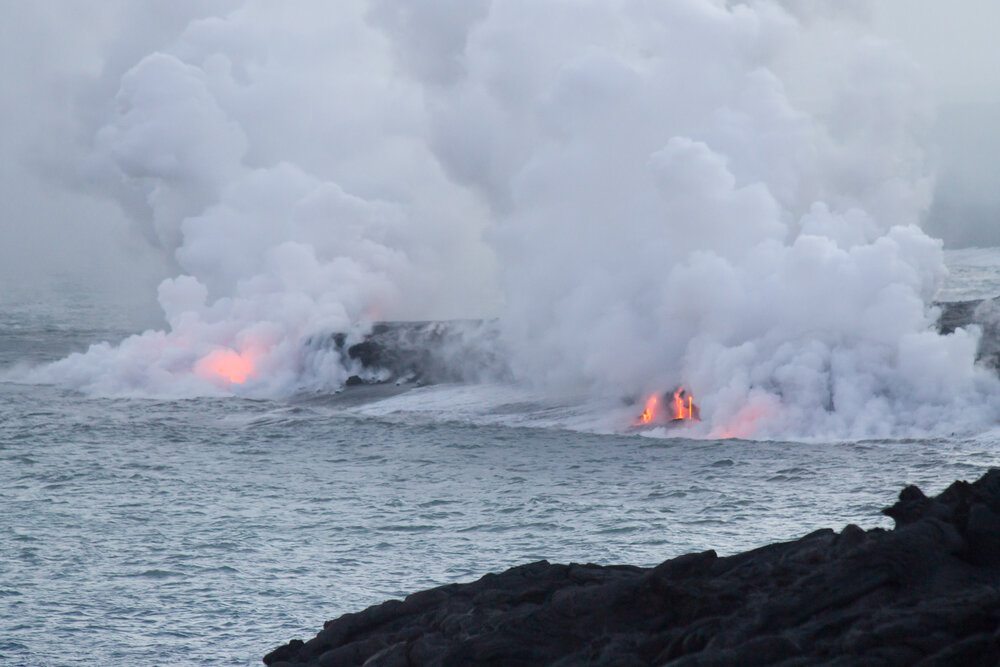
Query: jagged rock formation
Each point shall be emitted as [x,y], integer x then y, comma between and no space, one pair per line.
[925,593]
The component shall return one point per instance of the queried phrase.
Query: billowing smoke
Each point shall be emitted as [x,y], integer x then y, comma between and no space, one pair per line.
[716,194]
[278,159]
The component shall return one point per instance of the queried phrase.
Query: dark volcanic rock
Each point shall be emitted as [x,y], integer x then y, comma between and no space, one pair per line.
[926,592]
[419,352]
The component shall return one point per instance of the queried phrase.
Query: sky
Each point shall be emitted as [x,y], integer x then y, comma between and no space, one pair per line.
[55,84]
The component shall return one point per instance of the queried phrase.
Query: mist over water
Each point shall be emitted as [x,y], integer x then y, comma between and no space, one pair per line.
[647,194]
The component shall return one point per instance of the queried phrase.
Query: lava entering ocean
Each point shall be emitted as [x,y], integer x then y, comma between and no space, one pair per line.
[650,412]
[682,409]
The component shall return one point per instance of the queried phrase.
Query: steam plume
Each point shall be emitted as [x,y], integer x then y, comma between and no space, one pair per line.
[670,197]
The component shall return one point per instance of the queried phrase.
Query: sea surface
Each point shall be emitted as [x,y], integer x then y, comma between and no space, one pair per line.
[209,531]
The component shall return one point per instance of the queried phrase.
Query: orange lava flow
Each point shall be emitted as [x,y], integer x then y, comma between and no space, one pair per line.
[650,412]
[682,410]
[679,408]
[228,365]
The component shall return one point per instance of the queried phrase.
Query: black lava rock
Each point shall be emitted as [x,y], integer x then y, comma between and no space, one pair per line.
[418,352]
[926,592]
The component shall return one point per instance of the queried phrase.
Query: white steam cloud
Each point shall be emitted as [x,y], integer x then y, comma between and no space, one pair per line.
[670,196]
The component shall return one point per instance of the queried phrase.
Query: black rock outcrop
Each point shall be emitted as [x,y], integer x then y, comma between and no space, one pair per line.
[925,593]
[418,352]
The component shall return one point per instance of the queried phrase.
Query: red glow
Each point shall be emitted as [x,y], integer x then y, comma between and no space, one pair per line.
[227,365]
[744,423]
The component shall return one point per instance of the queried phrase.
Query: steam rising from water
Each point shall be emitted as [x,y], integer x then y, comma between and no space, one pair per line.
[669,196]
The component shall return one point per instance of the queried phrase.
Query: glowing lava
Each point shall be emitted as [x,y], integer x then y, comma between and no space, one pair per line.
[650,412]
[683,409]
[226,364]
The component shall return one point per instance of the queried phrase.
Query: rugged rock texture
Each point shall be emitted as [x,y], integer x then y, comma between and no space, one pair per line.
[925,593]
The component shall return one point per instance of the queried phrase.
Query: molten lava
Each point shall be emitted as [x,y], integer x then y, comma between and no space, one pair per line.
[650,412]
[681,408]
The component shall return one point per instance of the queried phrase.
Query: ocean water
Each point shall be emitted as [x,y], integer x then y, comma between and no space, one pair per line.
[209,531]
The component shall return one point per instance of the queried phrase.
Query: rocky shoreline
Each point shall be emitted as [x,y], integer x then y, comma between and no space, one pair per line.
[419,353]
[926,592]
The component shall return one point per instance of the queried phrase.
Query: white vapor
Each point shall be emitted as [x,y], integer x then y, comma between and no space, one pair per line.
[671,193]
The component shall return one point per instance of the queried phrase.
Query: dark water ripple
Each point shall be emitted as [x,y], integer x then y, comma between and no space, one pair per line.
[206,532]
